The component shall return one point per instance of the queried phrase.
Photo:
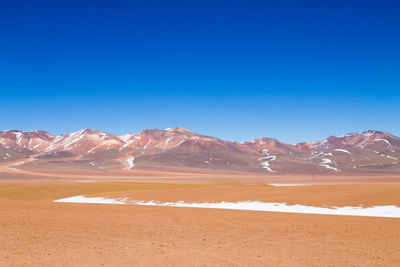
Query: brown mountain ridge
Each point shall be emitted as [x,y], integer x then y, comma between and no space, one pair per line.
[370,152]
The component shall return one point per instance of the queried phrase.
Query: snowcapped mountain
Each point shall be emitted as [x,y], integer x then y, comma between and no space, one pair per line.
[34,140]
[83,142]
[171,138]
[369,152]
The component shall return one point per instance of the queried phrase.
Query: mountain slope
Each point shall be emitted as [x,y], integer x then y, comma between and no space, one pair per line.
[369,152]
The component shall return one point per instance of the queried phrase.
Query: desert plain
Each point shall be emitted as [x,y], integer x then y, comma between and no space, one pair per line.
[36,231]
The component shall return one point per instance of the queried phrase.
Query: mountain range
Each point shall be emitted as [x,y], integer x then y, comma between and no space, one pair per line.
[367,153]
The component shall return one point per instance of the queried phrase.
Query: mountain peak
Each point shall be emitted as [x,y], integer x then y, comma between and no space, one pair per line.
[178,129]
[87,131]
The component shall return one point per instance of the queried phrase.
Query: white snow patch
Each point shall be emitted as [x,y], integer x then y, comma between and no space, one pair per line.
[390,157]
[320,144]
[321,154]
[265,164]
[178,144]
[136,138]
[167,142]
[383,140]
[324,162]
[92,200]
[327,164]
[273,157]
[96,147]
[51,146]
[18,136]
[366,165]
[17,164]
[130,162]
[343,150]
[125,137]
[389,211]
[148,143]
[366,136]
[290,184]
[73,138]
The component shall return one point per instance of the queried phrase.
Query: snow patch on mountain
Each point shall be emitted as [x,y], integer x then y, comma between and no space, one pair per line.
[327,163]
[383,140]
[343,150]
[266,160]
[130,162]
[319,155]
[390,157]
[73,138]
[128,143]
[367,135]
[324,161]
[167,142]
[18,136]
[323,142]
[148,143]
[179,143]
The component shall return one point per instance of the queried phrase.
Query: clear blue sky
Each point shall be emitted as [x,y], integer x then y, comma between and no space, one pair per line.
[294,70]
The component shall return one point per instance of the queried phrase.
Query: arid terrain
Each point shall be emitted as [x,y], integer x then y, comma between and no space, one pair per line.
[351,173]
[39,232]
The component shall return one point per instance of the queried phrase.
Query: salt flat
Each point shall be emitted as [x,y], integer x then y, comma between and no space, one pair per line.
[389,211]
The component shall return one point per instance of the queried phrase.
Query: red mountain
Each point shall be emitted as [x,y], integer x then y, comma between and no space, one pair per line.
[370,152]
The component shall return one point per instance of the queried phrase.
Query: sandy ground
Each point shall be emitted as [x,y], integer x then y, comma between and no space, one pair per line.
[37,232]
